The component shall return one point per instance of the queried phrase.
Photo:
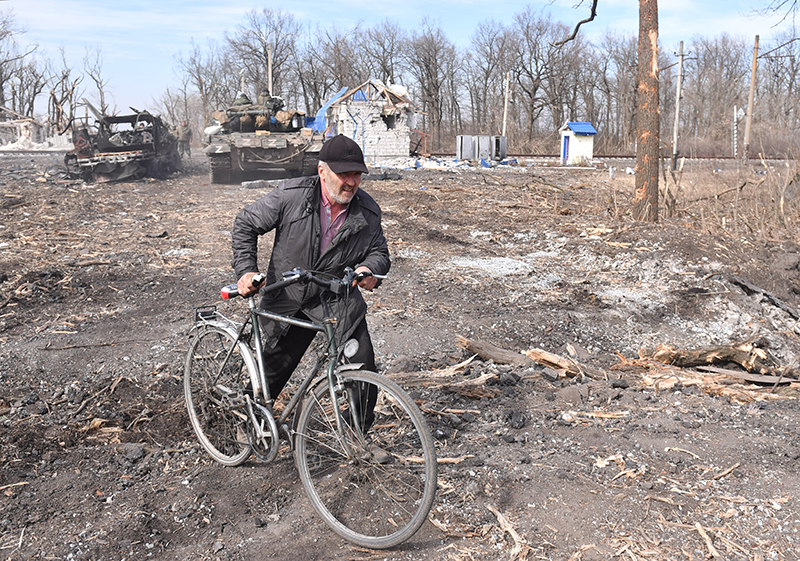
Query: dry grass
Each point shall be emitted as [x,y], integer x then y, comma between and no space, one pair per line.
[758,200]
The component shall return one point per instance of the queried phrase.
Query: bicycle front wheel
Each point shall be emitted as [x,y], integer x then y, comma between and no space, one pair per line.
[217,409]
[373,486]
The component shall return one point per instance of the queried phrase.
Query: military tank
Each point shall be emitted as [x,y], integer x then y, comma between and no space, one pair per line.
[252,139]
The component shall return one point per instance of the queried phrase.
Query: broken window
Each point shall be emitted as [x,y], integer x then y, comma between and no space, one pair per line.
[390,121]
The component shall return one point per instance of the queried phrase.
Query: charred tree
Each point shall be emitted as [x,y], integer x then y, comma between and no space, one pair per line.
[645,204]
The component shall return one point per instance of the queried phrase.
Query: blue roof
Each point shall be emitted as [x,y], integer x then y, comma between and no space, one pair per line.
[581,128]
[320,123]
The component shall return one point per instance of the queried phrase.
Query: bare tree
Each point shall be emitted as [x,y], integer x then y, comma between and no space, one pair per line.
[715,82]
[616,89]
[788,8]
[562,85]
[383,46]
[63,93]
[30,80]
[779,95]
[314,78]
[169,106]
[93,67]
[268,36]
[431,60]
[453,86]
[532,55]
[210,76]
[10,54]
[489,60]
[340,52]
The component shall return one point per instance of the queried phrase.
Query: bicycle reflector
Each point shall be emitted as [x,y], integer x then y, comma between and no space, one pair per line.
[228,292]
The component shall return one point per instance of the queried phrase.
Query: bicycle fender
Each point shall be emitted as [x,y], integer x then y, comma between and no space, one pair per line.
[214,323]
[348,367]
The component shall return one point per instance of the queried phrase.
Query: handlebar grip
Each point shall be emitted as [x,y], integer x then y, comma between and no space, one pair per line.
[228,292]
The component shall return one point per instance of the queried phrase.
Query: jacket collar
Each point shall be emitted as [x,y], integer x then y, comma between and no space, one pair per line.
[355,220]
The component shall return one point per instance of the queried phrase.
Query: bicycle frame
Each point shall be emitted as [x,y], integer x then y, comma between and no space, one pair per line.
[261,387]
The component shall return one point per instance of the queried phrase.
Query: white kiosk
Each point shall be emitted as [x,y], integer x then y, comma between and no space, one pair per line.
[577,143]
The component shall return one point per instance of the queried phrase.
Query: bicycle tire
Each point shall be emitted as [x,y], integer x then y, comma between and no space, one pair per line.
[213,398]
[372,504]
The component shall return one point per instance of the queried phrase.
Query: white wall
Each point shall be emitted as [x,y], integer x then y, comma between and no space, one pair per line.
[580,150]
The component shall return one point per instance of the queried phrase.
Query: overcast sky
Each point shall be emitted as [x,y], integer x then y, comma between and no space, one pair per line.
[139,39]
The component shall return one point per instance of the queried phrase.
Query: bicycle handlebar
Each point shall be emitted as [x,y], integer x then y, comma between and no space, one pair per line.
[337,286]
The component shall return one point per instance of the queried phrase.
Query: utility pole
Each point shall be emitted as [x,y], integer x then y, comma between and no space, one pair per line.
[677,109]
[749,121]
[505,103]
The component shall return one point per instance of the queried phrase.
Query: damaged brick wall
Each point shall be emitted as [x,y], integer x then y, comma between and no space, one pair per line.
[382,134]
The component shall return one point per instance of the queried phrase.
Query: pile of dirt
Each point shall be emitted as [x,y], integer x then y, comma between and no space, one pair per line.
[588,446]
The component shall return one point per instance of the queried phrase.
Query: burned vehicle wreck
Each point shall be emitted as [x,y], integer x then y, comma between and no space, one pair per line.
[121,147]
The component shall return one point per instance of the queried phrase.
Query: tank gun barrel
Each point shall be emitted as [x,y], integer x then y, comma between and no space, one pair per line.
[232,113]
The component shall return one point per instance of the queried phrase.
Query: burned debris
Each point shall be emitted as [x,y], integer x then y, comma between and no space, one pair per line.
[118,147]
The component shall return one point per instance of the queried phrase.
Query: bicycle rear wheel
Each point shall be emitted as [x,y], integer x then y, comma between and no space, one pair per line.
[374,497]
[213,394]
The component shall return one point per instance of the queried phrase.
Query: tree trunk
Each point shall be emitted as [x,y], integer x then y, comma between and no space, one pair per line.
[645,204]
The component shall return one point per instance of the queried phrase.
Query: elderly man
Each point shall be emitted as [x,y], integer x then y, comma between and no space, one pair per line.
[322,223]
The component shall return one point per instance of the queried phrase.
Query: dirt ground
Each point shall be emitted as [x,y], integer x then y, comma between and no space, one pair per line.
[616,456]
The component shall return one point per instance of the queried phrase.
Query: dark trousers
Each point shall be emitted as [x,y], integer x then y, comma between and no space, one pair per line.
[282,360]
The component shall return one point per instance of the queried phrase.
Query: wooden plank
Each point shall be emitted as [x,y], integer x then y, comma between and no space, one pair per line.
[755,378]
[487,351]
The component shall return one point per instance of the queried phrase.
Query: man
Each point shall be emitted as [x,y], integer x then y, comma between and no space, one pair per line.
[322,223]
[184,134]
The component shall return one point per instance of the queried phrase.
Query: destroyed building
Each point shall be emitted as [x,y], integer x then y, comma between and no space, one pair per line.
[20,131]
[16,128]
[380,118]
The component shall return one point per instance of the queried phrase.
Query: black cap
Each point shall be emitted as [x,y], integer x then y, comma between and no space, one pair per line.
[342,154]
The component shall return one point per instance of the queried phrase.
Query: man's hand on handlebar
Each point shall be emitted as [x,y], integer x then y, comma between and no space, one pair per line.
[245,285]
[367,282]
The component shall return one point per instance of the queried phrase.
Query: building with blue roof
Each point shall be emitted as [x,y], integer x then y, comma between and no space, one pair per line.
[577,143]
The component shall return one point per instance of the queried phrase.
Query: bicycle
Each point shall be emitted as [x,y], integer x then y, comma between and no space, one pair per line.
[372,483]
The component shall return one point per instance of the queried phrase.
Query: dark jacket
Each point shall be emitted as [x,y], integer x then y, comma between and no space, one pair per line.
[292,210]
